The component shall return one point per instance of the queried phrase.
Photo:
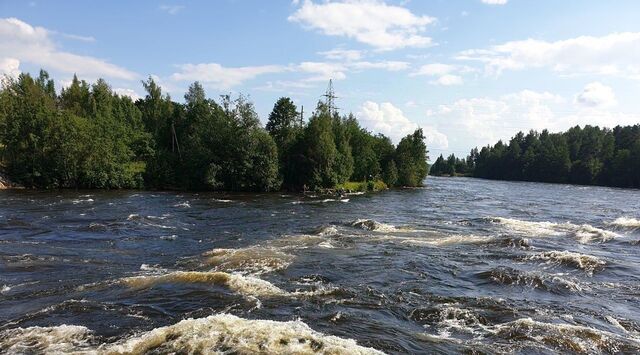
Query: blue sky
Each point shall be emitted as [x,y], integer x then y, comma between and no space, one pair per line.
[468,72]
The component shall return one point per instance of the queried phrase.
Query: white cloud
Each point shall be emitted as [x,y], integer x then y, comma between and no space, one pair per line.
[596,94]
[613,54]
[292,88]
[435,69]
[446,74]
[495,2]
[447,80]
[342,54]
[127,92]
[386,65]
[382,26]
[481,121]
[322,71]
[76,37]
[389,120]
[222,77]
[9,67]
[33,45]
[171,9]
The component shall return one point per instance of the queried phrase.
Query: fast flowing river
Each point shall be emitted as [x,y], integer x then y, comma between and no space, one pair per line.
[462,265]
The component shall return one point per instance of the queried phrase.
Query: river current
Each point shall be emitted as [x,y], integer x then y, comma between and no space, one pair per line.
[461,265]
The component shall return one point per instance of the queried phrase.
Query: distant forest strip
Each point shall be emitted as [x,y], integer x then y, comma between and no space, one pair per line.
[585,156]
[87,136]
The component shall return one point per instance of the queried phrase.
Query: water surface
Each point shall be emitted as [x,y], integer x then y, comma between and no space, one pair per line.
[461,265]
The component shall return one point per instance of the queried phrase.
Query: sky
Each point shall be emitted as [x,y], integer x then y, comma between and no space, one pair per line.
[468,72]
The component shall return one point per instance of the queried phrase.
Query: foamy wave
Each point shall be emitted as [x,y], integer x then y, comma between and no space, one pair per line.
[371,225]
[218,334]
[301,241]
[546,282]
[48,340]
[625,222]
[328,231]
[4,289]
[585,262]
[222,200]
[245,285]
[78,201]
[255,260]
[538,228]
[451,317]
[585,233]
[448,240]
[566,337]
[185,204]
[224,333]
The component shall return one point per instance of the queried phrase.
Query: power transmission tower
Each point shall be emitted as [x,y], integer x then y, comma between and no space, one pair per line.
[330,98]
[301,116]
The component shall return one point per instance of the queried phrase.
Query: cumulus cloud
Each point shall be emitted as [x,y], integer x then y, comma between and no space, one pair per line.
[483,120]
[9,67]
[382,26]
[596,94]
[613,54]
[222,77]
[386,65]
[127,92]
[323,71]
[447,80]
[495,2]
[444,74]
[219,76]
[25,43]
[389,120]
[342,54]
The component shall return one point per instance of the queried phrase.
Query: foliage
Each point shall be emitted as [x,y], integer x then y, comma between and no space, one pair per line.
[589,155]
[87,136]
[411,159]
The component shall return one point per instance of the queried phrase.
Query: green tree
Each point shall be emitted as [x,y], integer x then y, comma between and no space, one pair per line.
[411,158]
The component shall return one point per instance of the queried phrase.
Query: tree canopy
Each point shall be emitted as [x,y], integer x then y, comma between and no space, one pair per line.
[88,136]
[582,155]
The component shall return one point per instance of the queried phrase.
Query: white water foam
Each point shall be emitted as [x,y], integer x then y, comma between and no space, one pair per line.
[585,262]
[625,222]
[251,260]
[585,233]
[61,339]
[574,338]
[217,334]
[245,285]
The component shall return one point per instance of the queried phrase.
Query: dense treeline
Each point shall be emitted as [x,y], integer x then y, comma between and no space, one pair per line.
[87,136]
[587,156]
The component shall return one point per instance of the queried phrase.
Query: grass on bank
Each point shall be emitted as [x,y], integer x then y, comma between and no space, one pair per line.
[362,186]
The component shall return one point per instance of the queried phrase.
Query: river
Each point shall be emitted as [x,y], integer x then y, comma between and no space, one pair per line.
[461,265]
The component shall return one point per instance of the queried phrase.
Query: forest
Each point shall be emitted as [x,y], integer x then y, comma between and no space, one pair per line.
[87,136]
[585,156]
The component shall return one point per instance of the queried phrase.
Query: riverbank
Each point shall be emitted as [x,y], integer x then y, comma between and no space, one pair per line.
[6,183]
